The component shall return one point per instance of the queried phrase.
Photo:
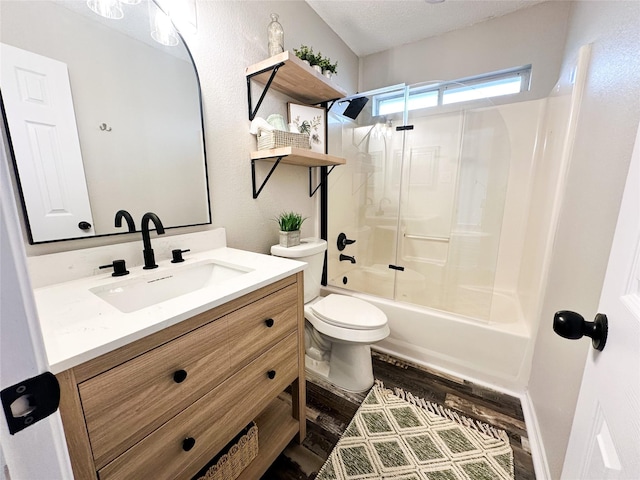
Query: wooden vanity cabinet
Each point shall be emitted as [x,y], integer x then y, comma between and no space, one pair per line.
[163,406]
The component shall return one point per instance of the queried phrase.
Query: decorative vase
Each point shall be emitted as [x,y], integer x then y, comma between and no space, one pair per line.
[327,73]
[307,62]
[276,36]
[317,68]
[289,239]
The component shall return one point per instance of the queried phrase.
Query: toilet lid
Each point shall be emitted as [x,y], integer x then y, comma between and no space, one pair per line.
[349,312]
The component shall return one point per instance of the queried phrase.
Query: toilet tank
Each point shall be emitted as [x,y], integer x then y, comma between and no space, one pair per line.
[310,251]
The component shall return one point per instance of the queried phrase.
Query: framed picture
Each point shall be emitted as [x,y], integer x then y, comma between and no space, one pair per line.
[310,120]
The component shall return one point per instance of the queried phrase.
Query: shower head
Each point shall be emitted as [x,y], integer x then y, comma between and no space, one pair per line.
[355,107]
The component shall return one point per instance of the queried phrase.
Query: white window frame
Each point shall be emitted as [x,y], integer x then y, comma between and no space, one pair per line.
[523,72]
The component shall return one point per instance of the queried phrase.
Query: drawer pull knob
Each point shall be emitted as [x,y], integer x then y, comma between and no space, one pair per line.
[269,322]
[271,374]
[188,443]
[179,376]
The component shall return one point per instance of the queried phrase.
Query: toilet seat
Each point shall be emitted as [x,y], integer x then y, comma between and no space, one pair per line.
[349,312]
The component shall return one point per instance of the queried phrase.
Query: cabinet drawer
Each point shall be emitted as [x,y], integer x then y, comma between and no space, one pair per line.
[211,421]
[260,325]
[126,403]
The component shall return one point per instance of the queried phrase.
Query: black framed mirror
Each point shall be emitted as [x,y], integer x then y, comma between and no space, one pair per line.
[138,117]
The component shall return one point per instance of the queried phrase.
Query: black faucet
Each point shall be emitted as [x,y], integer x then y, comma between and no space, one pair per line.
[120,214]
[347,257]
[149,257]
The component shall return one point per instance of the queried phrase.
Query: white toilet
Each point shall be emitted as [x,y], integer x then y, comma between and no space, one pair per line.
[339,328]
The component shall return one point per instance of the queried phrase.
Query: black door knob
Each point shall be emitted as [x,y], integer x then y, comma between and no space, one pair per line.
[84,225]
[269,322]
[271,374]
[179,376]
[188,443]
[572,325]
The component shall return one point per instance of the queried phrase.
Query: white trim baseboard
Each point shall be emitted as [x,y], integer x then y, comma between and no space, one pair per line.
[538,454]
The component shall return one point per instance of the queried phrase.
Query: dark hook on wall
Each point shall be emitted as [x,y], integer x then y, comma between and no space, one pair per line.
[104,127]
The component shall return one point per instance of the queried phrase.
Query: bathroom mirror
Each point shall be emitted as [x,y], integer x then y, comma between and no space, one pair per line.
[138,116]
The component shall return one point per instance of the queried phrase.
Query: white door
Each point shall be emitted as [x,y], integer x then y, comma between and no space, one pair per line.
[39,451]
[42,124]
[605,438]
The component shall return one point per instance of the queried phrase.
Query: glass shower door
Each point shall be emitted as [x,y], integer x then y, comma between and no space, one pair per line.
[364,195]
[454,180]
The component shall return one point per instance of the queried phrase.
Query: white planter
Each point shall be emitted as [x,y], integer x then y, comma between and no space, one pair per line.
[289,239]
[327,73]
[317,68]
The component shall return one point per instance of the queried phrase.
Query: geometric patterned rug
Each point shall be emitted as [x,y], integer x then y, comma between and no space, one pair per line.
[395,435]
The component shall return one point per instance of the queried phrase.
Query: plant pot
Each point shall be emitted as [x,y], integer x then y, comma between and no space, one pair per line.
[307,62]
[327,73]
[289,239]
[317,68]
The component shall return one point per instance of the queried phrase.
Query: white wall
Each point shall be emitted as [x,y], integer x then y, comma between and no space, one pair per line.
[231,36]
[533,36]
[604,141]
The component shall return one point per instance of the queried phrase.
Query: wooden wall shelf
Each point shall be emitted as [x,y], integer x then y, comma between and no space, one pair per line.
[295,79]
[298,156]
[291,156]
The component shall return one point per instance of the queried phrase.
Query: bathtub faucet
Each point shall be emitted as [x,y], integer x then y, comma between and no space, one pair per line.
[380,209]
[347,257]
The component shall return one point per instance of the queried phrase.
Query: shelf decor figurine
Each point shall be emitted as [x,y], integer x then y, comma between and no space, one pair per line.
[276,36]
[290,223]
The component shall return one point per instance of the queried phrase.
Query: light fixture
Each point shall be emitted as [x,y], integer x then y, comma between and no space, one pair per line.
[162,29]
[106,8]
[183,14]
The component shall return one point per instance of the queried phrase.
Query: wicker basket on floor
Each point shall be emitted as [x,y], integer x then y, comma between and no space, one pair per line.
[268,139]
[234,457]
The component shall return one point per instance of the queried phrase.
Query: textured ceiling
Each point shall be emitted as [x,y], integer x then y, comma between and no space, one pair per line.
[369,26]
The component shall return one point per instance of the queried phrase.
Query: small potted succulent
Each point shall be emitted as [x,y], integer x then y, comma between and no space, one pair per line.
[290,223]
[305,54]
[328,69]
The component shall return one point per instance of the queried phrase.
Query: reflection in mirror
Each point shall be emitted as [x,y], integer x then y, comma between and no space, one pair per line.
[134,107]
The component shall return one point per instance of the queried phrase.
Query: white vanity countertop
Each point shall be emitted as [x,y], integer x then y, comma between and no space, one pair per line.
[78,326]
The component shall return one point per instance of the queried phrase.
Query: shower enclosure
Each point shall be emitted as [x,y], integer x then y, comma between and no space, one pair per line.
[422,195]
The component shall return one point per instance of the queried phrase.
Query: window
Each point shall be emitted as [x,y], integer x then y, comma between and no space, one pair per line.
[464,90]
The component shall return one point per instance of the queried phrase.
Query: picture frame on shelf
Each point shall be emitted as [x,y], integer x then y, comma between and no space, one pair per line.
[311,120]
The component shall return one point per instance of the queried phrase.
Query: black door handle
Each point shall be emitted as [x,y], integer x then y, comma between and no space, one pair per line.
[572,325]
[84,225]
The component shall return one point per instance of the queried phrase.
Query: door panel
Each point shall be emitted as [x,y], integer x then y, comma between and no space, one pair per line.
[39,108]
[604,442]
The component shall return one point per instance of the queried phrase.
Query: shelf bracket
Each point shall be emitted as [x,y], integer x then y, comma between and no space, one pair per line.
[312,191]
[264,182]
[274,70]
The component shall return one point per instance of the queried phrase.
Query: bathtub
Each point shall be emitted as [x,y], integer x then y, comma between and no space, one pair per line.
[489,353]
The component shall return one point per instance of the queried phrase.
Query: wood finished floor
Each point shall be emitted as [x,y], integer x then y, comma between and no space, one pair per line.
[329,411]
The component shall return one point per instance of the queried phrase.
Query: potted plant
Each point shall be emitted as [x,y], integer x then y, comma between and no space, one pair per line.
[304,53]
[290,223]
[328,69]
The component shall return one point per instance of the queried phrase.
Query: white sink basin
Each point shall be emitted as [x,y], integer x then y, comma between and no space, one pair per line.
[158,286]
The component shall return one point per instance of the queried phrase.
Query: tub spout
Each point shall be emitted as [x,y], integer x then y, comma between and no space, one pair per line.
[347,257]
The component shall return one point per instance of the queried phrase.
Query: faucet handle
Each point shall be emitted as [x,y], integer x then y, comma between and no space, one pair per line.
[119,268]
[177,255]
[343,241]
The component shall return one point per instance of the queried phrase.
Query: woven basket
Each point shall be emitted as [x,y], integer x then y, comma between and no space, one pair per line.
[234,457]
[268,139]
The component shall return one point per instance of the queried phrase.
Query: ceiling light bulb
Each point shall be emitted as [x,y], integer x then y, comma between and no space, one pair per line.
[106,8]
